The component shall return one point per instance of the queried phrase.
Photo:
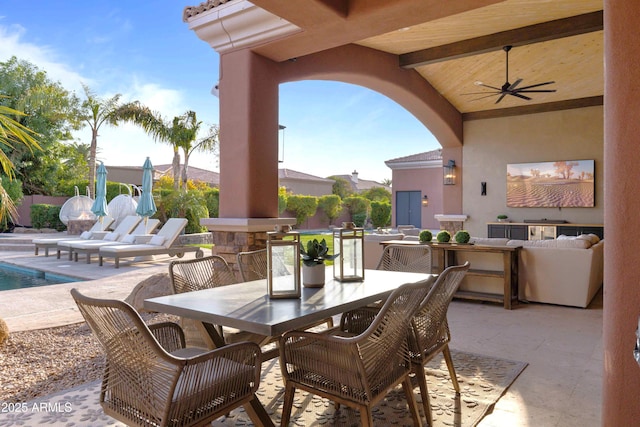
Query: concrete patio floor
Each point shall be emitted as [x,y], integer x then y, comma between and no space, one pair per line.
[561,387]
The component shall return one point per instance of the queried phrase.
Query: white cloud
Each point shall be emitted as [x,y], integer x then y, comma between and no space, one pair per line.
[44,57]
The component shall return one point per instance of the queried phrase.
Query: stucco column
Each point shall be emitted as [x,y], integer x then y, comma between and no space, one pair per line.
[621,382]
[248,136]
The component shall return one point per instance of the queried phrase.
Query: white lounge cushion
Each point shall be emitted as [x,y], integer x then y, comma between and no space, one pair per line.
[157,240]
[128,238]
[86,235]
[112,237]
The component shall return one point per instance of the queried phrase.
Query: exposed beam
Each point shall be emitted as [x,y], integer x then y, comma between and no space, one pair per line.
[535,108]
[566,27]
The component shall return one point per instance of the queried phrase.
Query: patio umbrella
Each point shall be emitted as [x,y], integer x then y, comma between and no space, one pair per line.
[99,207]
[146,205]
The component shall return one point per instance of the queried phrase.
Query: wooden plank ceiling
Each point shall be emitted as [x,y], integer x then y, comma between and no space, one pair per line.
[454,44]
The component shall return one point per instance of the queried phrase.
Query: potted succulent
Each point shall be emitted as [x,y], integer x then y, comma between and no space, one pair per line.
[502,218]
[462,237]
[425,236]
[313,258]
[443,236]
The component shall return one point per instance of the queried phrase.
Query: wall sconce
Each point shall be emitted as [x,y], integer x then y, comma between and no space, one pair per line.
[449,173]
[425,201]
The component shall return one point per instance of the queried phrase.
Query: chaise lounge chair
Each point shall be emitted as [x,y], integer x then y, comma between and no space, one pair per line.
[126,226]
[160,244]
[143,229]
[97,231]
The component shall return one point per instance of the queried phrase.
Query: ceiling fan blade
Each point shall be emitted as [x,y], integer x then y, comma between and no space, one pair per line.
[501,96]
[520,96]
[481,93]
[536,85]
[482,97]
[535,90]
[513,86]
[490,87]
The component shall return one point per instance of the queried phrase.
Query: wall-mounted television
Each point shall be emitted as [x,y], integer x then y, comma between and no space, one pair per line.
[559,184]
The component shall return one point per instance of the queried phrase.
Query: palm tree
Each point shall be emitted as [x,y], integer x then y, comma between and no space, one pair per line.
[95,112]
[181,133]
[12,133]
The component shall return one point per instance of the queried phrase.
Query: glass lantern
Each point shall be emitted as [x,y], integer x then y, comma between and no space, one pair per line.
[283,263]
[348,241]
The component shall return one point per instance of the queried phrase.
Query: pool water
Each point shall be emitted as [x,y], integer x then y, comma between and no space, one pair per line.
[14,277]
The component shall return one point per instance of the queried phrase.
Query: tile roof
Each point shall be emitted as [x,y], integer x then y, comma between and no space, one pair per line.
[210,177]
[191,11]
[291,174]
[420,157]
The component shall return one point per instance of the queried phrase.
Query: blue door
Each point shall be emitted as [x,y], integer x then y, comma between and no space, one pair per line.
[408,208]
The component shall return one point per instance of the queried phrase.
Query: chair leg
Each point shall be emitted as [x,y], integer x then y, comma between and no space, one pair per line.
[421,376]
[257,413]
[366,416]
[452,369]
[289,394]
[411,401]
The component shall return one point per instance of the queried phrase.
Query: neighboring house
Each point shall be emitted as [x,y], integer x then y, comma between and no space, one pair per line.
[417,189]
[359,185]
[133,174]
[304,184]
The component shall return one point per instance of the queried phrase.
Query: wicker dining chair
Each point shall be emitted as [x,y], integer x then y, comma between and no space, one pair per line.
[151,379]
[206,273]
[412,259]
[430,333]
[355,371]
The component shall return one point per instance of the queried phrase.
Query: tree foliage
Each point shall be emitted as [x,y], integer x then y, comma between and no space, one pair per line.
[45,108]
[283,194]
[380,213]
[341,187]
[181,133]
[302,206]
[379,194]
[331,205]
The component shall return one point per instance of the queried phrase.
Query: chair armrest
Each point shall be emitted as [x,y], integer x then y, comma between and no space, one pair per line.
[358,320]
[170,335]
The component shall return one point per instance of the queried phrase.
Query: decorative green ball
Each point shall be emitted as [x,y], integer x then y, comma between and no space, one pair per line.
[425,236]
[443,236]
[462,236]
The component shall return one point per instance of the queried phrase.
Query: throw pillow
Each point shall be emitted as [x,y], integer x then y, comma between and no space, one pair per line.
[157,240]
[85,235]
[113,236]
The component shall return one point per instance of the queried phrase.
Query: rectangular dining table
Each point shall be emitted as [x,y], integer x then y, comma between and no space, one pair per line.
[247,306]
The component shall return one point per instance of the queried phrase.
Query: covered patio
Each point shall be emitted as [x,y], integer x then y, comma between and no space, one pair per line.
[425,55]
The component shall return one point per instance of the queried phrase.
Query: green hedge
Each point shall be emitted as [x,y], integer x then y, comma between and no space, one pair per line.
[380,214]
[302,206]
[46,216]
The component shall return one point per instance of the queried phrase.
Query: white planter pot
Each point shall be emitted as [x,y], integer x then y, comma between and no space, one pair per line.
[313,276]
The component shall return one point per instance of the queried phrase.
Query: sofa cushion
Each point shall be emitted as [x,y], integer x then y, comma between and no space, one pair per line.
[570,243]
[489,241]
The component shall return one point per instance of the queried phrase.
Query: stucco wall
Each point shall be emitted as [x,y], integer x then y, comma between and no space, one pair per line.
[489,145]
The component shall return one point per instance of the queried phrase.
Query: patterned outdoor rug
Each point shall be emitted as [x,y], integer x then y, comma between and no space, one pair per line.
[482,380]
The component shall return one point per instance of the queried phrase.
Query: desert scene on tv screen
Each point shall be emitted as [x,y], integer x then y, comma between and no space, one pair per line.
[551,184]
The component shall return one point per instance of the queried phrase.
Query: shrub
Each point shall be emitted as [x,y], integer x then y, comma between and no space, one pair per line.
[462,236]
[331,205]
[212,200]
[302,206]
[46,216]
[380,213]
[425,236]
[443,236]
[359,219]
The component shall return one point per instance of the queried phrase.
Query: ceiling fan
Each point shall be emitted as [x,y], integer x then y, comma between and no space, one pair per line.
[511,88]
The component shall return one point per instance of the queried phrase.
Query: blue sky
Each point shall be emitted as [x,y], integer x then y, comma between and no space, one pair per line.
[143,50]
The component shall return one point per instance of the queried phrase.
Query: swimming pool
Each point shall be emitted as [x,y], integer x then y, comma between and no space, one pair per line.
[14,277]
